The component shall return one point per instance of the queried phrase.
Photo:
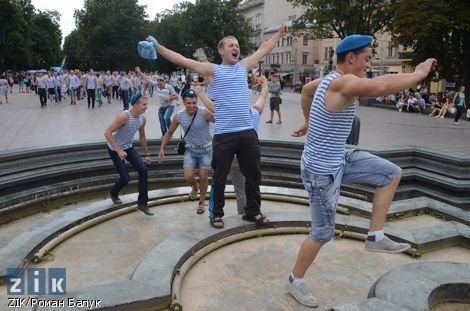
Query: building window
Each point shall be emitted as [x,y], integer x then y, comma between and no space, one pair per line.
[277,58]
[282,58]
[305,40]
[304,58]
[258,19]
[392,49]
[289,41]
[273,62]
[328,50]
[292,17]
[288,57]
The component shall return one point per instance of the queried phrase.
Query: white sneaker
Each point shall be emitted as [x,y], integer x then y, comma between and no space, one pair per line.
[302,294]
[386,246]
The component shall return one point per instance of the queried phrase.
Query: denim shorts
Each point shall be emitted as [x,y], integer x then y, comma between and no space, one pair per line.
[357,167]
[198,158]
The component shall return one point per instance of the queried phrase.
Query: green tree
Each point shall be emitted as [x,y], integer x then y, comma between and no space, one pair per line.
[28,38]
[436,28]
[201,25]
[13,51]
[108,31]
[46,38]
[340,18]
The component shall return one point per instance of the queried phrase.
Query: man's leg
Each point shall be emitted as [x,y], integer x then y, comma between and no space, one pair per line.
[363,167]
[161,120]
[248,156]
[167,116]
[224,147]
[323,193]
[238,181]
[124,177]
[134,158]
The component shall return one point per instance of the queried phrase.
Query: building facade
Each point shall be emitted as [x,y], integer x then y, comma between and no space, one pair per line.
[300,59]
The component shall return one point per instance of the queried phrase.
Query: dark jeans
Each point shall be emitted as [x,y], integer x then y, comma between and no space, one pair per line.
[125,95]
[246,146]
[458,112]
[115,92]
[42,96]
[136,161]
[164,116]
[91,95]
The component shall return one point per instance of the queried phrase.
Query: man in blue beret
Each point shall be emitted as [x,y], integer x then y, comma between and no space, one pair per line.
[329,105]
[119,135]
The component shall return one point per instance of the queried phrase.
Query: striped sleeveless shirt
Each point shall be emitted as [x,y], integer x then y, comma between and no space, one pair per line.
[231,97]
[199,132]
[327,133]
[124,135]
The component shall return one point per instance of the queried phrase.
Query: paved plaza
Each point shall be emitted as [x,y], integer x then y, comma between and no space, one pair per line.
[109,253]
[24,125]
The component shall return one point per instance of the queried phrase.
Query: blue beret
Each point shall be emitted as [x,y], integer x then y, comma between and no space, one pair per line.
[135,98]
[147,50]
[352,43]
[188,93]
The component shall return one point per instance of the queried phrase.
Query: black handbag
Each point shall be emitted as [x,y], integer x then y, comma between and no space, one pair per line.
[181,145]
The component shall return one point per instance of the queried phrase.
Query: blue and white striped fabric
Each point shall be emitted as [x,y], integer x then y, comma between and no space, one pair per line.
[327,133]
[231,97]
[124,135]
[199,132]
[255,116]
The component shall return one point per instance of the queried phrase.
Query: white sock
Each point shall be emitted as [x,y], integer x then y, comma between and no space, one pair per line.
[379,235]
[295,281]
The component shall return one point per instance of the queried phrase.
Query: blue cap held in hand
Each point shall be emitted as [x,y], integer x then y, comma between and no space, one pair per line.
[353,43]
[147,50]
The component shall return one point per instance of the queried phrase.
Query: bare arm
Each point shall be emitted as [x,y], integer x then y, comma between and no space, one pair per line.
[260,102]
[174,125]
[352,86]
[205,100]
[144,76]
[209,116]
[306,100]
[251,61]
[118,122]
[143,143]
[205,69]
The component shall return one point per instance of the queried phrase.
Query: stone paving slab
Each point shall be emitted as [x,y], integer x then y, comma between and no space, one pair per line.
[23,125]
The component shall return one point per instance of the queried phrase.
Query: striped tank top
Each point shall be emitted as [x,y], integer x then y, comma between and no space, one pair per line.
[327,133]
[124,135]
[231,97]
[199,132]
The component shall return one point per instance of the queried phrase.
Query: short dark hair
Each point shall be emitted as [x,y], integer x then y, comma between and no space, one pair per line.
[341,57]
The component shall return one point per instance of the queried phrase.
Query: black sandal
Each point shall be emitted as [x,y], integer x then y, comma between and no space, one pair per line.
[217,223]
[262,220]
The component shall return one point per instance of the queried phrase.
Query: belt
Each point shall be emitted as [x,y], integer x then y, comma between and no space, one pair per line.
[199,146]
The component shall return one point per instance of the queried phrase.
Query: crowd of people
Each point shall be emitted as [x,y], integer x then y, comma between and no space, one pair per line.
[435,105]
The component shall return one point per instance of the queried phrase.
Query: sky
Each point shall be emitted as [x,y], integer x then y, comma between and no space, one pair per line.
[67,7]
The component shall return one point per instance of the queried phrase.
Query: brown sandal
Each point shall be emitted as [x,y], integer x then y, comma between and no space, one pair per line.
[193,194]
[217,223]
[201,208]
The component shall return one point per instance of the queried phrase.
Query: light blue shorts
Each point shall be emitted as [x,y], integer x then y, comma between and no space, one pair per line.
[198,158]
[357,167]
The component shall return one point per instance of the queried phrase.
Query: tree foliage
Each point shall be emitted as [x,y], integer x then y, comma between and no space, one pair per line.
[436,28]
[340,18]
[106,35]
[201,25]
[28,38]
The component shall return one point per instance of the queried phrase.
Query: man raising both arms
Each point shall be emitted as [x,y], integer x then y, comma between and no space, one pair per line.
[329,106]
[233,133]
